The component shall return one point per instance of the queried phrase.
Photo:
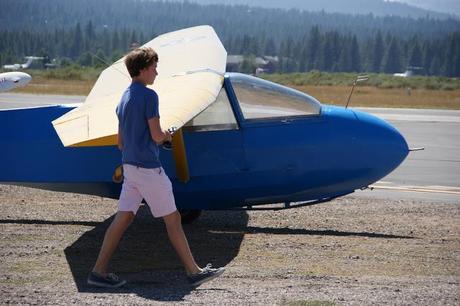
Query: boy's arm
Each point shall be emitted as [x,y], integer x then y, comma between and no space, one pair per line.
[157,134]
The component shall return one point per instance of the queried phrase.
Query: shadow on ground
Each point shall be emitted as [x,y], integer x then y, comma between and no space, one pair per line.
[146,258]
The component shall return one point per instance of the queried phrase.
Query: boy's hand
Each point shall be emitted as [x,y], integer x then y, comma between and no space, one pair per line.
[168,137]
[167,143]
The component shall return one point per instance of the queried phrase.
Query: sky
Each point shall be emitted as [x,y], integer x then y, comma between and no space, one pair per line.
[444,6]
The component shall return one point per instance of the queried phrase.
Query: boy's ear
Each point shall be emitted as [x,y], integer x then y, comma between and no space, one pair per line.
[142,71]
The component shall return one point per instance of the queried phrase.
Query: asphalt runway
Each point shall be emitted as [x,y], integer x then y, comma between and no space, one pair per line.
[430,174]
[14,100]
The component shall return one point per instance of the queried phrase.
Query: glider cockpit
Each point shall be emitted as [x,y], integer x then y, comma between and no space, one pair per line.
[261,99]
[244,98]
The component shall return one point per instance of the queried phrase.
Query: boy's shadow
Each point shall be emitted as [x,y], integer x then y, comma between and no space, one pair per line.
[146,258]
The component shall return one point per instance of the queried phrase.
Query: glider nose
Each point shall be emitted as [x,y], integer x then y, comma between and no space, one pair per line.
[385,145]
[25,78]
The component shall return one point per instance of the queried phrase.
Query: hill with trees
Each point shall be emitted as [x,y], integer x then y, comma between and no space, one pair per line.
[364,7]
[81,32]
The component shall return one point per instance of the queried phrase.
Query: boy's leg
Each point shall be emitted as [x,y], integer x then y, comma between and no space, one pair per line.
[111,239]
[156,189]
[179,241]
[159,195]
[196,275]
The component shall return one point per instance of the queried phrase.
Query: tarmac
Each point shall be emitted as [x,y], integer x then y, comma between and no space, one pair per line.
[432,173]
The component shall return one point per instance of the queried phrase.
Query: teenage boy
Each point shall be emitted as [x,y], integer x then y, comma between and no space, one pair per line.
[139,134]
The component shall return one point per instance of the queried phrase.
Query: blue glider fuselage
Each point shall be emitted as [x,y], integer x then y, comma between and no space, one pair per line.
[253,161]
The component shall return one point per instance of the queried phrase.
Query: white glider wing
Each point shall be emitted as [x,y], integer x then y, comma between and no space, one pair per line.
[190,75]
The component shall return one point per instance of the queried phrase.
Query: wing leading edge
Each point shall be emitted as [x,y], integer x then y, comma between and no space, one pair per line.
[190,75]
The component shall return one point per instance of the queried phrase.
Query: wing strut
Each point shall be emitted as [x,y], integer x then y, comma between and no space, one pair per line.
[180,157]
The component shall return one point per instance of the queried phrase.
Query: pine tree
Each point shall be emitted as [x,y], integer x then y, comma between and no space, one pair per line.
[133,39]
[456,60]
[416,59]
[326,53]
[115,41]
[89,31]
[89,35]
[427,56]
[246,45]
[85,59]
[105,41]
[355,55]
[378,52]
[336,45]
[313,48]
[290,63]
[141,39]
[303,59]
[124,41]
[77,45]
[392,59]
[450,67]
[270,47]
[344,63]
[435,65]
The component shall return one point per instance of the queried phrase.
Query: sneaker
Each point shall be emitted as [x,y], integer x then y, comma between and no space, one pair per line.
[208,273]
[110,281]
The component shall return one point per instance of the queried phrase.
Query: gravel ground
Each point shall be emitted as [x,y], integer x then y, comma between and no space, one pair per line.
[351,251]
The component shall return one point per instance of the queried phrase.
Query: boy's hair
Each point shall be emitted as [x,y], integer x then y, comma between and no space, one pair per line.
[139,59]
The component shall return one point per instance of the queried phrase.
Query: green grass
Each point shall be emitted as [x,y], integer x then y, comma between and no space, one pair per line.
[75,73]
[384,81]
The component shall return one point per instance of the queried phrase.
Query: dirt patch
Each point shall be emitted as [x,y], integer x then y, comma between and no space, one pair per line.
[349,251]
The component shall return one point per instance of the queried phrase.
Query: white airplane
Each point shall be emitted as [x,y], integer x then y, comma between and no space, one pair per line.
[410,71]
[10,80]
[406,74]
[29,60]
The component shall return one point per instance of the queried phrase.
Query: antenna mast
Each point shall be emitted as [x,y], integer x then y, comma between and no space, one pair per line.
[359,78]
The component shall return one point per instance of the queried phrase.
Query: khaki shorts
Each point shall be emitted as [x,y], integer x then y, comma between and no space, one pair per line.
[153,185]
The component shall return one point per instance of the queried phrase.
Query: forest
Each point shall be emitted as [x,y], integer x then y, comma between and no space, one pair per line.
[94,33]
[377,7]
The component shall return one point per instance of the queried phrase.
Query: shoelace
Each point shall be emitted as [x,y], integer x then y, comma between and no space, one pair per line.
[208,267]
[113,277]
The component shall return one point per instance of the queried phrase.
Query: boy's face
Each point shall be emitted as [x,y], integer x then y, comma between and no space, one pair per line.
[149,74]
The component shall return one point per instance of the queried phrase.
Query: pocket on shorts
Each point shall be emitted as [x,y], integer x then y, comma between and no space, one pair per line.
[128,172]
[165,179]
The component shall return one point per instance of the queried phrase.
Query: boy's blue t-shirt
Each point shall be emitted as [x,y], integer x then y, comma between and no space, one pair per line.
[137,105]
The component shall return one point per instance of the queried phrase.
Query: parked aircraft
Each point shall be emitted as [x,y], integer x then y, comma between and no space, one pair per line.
[410,71]
[10,80]
[29,60]
[241,141]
